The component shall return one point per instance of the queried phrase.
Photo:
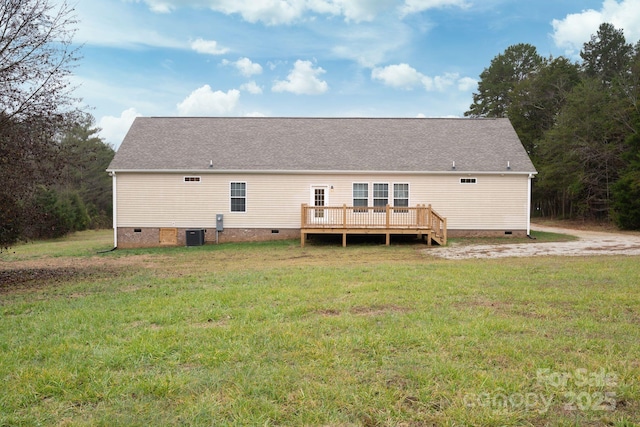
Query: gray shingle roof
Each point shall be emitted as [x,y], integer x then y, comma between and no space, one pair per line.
[321,144]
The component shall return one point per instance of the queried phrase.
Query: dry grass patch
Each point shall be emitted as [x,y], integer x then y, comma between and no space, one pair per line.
[271,334]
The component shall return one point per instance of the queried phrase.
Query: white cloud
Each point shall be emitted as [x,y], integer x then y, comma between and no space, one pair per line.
[114,129]
[246,67]
[361,10]
[466,84]
[400,76]
[278,12]
[369,44]
[252,88]
[161,7]
[205,102]
[576,29]
[302,80]
[113,24]
[209,47]
[441,83]
[255,114]
[416,6]
[403,76]
[270,12]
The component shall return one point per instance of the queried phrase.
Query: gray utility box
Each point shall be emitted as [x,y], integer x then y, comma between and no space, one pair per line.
[219,222]
[195,237]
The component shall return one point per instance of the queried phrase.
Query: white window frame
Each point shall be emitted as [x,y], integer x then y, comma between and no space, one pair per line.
[231,197]
[353,198]
[192,179]
[379,208]
[468,181]
[408,194]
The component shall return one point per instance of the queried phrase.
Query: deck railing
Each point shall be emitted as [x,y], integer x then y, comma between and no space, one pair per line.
[387,217]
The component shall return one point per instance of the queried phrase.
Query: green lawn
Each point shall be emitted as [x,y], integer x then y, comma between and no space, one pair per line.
[272,334]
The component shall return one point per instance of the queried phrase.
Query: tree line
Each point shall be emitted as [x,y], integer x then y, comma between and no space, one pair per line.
[60,189]
[51,161]
[579,122]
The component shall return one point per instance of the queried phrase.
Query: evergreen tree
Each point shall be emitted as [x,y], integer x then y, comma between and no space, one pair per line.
[497,82]
[538,99]
[86,157]
[626,192]
[607,55]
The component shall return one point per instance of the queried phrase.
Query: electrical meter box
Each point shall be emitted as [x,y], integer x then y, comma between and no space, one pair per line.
[219,222]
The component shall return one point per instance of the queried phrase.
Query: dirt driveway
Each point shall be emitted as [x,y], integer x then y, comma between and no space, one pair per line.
[588,243]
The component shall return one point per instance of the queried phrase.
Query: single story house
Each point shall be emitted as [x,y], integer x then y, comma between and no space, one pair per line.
[245,179]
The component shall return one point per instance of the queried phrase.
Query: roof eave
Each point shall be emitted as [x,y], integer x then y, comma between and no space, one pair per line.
[320,172]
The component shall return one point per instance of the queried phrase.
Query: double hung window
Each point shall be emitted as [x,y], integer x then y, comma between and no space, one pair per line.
[360,196]
[380,196]
[401,197]
[238,192]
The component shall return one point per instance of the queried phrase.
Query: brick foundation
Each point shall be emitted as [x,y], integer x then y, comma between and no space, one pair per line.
[153,237]
[148,237]
[486,233]
[253,234]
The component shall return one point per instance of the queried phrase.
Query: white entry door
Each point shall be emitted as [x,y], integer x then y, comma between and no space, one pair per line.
[319,200]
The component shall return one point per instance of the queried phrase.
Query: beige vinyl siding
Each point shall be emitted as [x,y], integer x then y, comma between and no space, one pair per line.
[495,202]
[163,200]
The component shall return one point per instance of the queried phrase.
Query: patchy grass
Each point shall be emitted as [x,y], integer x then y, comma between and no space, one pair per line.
[272,334]
[537,237]
[575,224]
[80,244]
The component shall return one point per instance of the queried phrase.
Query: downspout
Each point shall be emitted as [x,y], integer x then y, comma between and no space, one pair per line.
[115,210]
[529,207]
[115,214]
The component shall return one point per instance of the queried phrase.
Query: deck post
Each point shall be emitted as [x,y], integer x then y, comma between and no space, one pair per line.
[444,232]
[303,215]
[344,240]
[344,216]
[303,221]
[388,238]
[388,217]
[429,217]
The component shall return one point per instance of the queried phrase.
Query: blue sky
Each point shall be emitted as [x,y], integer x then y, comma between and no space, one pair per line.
[316,58]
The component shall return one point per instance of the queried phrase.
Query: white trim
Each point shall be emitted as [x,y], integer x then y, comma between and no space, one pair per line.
[528,214]
[393,193]
[312,193]
[359,182]
[390,191]
[373,193]
[323,172]
[312,199]
[115,210]
[246,198]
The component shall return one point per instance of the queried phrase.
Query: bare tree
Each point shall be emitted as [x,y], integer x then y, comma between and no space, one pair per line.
[37,56]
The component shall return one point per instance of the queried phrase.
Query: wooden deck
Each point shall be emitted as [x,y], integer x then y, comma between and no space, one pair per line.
[420,220]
